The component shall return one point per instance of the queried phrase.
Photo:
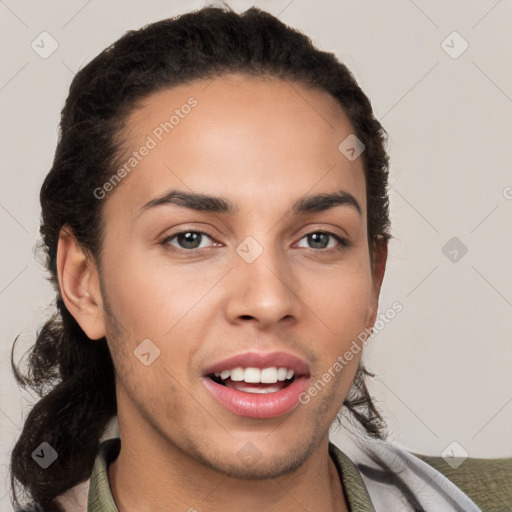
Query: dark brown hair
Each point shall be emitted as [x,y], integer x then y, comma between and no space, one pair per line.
[73,376]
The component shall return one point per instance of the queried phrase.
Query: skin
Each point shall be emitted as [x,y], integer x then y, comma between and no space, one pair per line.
[262,144]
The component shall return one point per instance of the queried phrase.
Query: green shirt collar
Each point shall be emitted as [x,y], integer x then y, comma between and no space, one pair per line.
[100,497]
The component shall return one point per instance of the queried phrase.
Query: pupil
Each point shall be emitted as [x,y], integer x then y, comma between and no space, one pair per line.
[315,236]
[189,241]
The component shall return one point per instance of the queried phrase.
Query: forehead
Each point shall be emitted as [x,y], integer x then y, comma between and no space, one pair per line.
[253,139]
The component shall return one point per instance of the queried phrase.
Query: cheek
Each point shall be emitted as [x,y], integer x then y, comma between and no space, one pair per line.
[341,299]
[149,299]
[162,303]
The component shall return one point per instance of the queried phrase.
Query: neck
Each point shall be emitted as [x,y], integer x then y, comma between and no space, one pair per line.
[174,480]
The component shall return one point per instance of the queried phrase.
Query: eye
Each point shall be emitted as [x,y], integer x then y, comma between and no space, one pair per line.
[190,240]
[187,239]
[319,239]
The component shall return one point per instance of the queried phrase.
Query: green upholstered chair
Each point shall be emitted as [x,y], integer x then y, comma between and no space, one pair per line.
[488,482]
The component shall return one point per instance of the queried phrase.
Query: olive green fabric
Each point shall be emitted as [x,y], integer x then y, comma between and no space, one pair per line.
[356,494]
[488,482]
[100,497]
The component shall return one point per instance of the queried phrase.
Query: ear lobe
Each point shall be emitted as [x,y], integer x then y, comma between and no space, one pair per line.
[380,256]
[79,285]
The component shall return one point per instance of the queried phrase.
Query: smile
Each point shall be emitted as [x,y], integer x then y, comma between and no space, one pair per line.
[249,386]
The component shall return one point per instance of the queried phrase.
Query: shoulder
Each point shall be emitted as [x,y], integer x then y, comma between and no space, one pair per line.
[76,499]
[397,477]
[486,481]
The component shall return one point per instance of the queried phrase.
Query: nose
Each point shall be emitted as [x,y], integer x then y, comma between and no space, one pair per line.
[264,290]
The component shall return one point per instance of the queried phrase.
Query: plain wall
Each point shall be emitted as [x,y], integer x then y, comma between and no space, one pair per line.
[443,364]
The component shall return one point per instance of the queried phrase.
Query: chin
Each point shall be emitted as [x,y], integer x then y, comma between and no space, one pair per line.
[263,469]
[250,464]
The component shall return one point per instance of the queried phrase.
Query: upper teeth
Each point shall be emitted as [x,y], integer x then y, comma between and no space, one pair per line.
[255,375]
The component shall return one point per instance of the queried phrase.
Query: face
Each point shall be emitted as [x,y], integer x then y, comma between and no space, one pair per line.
[198,299]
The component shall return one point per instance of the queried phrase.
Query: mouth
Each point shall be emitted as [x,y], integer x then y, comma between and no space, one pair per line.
[258,385]
[255,380]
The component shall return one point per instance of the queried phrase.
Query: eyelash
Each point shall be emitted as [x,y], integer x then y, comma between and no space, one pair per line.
[344,243]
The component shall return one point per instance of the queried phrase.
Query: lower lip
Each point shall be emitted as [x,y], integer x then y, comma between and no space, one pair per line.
[258,405]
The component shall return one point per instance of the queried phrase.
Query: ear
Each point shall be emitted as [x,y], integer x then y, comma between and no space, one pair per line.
[380,256]
[79,285]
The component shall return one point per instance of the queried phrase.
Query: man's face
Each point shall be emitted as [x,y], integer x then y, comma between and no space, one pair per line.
[263,280]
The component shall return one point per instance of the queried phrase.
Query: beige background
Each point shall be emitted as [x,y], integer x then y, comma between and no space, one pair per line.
[443,364]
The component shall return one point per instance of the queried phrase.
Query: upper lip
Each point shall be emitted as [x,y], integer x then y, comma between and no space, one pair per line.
[260,360]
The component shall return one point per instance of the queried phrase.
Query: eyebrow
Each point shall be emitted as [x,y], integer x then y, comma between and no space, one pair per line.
[206,203]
